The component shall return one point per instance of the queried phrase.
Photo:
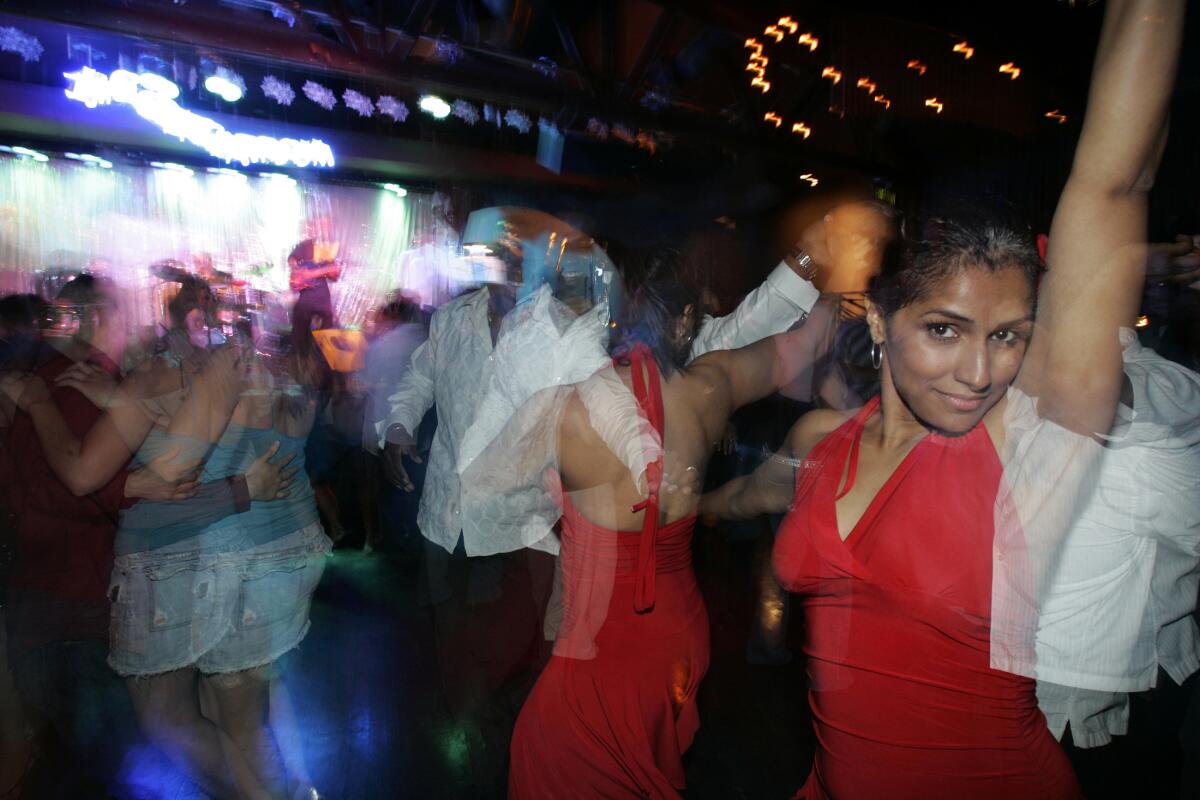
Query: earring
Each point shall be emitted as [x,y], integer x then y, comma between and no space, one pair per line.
[876,355]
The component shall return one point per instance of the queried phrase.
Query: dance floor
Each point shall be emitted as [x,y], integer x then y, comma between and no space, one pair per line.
[372,722]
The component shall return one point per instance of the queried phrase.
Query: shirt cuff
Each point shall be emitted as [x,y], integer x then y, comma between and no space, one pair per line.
[241,493]
[792,287]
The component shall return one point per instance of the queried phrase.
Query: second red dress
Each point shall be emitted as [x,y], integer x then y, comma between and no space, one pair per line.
[615,709]
[904,702]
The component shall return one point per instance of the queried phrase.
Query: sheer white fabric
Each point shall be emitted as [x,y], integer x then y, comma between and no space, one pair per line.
[546,346]
[1097,547]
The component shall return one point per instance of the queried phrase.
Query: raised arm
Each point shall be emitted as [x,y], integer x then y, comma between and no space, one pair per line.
[785,297]
[1096,257]
[753,372]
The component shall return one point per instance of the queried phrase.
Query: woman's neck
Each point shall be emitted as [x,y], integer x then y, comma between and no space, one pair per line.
[895,426]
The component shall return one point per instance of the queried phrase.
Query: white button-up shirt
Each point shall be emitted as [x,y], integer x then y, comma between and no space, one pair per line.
[1120,602]
[542,346]
[456,367]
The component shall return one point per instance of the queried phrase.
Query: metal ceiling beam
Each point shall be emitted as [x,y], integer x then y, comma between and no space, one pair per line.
[663,26]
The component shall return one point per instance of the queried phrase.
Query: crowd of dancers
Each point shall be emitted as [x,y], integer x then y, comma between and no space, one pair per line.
[990,516]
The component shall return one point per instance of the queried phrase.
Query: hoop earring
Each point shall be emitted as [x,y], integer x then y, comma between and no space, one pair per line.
[876,355]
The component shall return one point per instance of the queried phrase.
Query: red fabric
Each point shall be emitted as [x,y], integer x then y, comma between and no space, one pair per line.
[64,543]
[615,722]
[904,702]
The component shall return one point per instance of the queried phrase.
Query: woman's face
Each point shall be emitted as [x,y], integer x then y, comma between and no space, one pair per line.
[952,355]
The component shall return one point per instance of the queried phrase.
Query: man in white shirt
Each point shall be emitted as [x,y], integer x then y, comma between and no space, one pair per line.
[1119,610]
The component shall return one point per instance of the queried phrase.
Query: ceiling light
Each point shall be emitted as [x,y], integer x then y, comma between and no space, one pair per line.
[25,152]
[170,166]
[435,106]
[396,189]
[88,158]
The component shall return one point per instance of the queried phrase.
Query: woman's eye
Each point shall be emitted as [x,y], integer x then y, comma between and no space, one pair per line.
[1008,337]
[940,330]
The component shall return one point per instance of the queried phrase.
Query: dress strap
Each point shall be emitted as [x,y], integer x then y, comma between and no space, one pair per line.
[856,434]
[647,389]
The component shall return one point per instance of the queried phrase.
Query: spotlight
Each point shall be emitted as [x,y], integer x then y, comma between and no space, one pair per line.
[25,152]
[226,171]
[277,176]
[396,189]
[434,106]
[170,166]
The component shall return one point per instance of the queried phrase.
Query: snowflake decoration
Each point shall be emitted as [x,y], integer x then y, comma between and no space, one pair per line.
[547,67]
[653,100]
[321,95]
[23,44]
[544,122]
[358,102]
[448,51]
[465,111]
[597,128]
[517,119]
[647,141]
[281,13]
[391,107]
[279,91]
[623,133]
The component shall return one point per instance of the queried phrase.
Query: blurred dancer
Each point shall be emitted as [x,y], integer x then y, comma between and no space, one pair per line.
[58,599]
[472,559]
[615,709]
[165,412]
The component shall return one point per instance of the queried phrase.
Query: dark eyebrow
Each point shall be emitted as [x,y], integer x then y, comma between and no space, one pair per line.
[1014,323]
[941,312]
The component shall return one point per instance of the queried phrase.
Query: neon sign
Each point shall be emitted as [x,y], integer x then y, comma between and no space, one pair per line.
[147,98]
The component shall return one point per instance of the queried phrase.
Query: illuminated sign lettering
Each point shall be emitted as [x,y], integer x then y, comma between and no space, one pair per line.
[94,88]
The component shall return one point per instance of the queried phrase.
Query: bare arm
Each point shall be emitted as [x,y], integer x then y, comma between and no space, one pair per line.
[88,464]
[85,466]
[1096,258]
[771,487]
[753,372]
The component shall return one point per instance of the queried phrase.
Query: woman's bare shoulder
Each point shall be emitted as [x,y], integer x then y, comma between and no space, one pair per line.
[813,427]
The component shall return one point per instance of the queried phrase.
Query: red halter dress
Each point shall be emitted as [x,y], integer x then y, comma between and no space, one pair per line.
[904,702]
[614,710]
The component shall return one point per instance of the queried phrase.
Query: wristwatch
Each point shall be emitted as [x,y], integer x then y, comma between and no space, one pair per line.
[802,263]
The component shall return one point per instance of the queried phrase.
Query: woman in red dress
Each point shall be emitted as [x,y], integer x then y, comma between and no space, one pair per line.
[614,710]
[898,508]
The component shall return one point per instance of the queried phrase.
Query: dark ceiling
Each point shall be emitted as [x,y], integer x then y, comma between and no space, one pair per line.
[674,71]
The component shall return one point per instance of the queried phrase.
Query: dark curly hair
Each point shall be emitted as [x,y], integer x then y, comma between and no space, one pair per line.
[654,299]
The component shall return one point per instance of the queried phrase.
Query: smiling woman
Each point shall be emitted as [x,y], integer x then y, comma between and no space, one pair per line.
[922,527]
[951,317]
